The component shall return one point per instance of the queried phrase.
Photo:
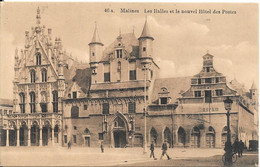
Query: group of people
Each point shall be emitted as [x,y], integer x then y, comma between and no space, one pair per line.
[238,147]
[164,150]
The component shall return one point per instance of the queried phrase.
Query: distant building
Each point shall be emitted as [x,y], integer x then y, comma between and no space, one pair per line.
[58,100]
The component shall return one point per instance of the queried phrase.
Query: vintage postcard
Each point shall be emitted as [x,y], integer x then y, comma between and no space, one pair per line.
[129,84]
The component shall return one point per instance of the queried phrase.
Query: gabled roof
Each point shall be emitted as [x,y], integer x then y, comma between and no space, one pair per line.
[175,86]
[128,41]
[82,77]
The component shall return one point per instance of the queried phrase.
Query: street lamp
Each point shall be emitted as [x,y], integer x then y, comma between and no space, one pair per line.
[228,147]
[145,68]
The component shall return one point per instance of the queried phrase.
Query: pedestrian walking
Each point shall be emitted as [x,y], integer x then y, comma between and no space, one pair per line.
[164,150]
[152,151]
[102,147]
[235,146]
[241,148]
[69,145]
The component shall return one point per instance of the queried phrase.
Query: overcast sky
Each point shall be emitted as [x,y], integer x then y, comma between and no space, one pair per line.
[180,39]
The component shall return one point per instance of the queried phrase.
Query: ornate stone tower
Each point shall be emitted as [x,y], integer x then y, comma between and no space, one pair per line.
[254,93]
[95,51]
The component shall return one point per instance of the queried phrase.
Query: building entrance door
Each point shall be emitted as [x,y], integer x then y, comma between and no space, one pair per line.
[120,139]
[87,141]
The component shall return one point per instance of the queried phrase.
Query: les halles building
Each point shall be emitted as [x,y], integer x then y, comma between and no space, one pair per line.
[117,96]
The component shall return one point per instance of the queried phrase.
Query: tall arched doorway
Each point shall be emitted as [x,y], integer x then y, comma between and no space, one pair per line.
[35,134]
[119,132]
[23,135]
[46,133]
[210,137]
[181,136]
[153,135]
[195,137]
[224,136]
[168,136]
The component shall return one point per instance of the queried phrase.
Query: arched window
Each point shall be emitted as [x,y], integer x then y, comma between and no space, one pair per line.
[168,136]
[44,75]
[224,136]
[32,102]
[22,102]
[55,101]
[181,136]
[32,74]
[119,66]
[153,135]
[38,58]
[74,112]
[210,137]
[195,137]
[119,123]
[86,131]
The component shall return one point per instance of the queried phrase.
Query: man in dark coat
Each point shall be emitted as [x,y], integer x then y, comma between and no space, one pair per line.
[152,150]
[164,150]
[69,145]
[241,148]
[235,146]
[102,147]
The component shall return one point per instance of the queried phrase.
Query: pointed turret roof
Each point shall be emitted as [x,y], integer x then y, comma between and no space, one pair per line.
[96,39]
[253,87]
[146,32]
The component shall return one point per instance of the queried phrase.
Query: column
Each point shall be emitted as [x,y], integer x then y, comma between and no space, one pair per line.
[29,137]
[60,137]
[52,136]
[18,137]
[7,137]
[40,144]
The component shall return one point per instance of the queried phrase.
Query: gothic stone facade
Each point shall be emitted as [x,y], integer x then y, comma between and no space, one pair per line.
[119,99]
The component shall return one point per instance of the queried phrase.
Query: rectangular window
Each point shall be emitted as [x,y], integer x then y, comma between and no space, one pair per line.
[207,80]
[163,100]
[100,136]
[5,112]
[219,92]
[74,95]
[208,69]
[74,139]
[119,53]
[105,108]
[85,107]
[132,75]
[107,77]
[208,96]
[144,49]
[65,139]
[0,111]
[217,80]
[131,107]
[197,93]
[10,111]
[199,81]
[75,128]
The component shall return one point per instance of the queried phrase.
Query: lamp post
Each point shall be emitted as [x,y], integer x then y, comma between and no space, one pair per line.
[145,144]
[228,147]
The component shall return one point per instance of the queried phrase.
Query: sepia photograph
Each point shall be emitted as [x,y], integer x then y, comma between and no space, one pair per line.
[129,84]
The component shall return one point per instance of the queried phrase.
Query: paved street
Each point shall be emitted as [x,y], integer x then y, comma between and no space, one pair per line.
[82,156]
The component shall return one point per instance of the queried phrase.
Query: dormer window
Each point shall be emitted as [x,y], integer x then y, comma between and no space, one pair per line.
[163,100]
[208,69]
[164,96]
[119,53]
